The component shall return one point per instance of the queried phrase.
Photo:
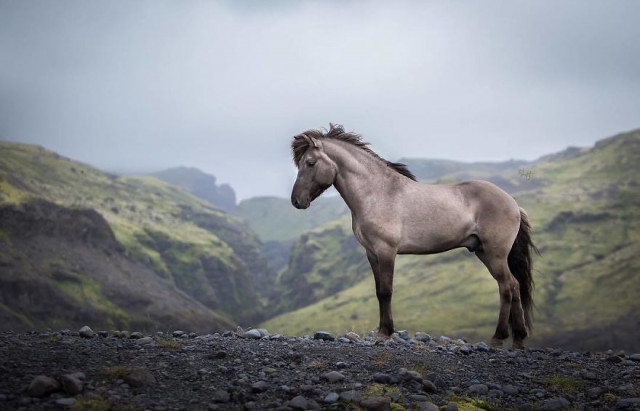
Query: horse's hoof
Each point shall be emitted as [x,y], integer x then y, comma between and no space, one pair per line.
[518,345]
[382,336]
[496,342]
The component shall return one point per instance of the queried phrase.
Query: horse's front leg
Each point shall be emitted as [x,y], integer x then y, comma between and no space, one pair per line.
[382,264]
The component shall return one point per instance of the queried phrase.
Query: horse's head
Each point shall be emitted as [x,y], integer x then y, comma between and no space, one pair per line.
[316,171]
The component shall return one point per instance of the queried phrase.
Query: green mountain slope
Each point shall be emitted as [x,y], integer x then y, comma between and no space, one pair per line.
[585,209]
[190,245]
[62,267]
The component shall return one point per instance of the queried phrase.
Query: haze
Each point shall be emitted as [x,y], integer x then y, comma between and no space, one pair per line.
[139,86]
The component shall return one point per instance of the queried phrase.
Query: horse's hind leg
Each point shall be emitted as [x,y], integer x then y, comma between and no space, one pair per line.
[496,263]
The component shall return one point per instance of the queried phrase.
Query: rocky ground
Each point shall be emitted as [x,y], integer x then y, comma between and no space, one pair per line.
[254,370]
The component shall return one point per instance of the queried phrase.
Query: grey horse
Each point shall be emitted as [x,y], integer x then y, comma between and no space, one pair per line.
[394,214]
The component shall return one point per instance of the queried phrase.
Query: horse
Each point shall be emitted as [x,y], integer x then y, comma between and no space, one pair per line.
[392,213]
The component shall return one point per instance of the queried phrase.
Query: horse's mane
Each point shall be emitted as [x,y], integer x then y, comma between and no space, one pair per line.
[299,146]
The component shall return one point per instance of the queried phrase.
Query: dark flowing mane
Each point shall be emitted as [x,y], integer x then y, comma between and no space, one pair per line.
[299,146]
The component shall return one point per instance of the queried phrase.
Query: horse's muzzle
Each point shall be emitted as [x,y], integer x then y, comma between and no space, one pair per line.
[299,204]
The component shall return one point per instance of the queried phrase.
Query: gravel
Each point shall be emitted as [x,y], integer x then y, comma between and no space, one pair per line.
[232,371]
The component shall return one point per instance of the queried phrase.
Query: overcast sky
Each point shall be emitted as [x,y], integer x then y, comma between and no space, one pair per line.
[138,86]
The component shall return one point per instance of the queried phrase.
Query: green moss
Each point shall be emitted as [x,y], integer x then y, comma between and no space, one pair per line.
[92,403]
[168,343]
[564,384]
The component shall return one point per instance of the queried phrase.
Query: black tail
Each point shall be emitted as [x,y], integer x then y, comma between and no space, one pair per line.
[521,266]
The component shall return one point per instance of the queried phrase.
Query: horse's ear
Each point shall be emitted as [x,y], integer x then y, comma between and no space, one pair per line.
[312,141]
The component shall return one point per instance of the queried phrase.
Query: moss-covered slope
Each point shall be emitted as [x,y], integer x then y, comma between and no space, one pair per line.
[192,246]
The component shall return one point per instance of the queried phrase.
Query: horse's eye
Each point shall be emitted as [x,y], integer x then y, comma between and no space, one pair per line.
[311,163]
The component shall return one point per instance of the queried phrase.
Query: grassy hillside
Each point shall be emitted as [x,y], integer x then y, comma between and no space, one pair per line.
[585,209]
[194,247]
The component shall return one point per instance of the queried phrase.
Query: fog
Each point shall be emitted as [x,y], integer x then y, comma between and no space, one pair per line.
[138,86]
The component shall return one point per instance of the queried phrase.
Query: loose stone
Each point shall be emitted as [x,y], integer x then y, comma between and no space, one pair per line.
[139,377]
[323,335]
[334,376]
[252,334]
[375,403]
[144,341]
[331,398]
[382,378]
[298,403]
[66,402]
[555,404]
[260,386]
[481,389]
[86,332]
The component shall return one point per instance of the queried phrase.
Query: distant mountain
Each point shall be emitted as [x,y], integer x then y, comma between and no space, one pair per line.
[119,250]
[431,170]
[584,205]
[201,185]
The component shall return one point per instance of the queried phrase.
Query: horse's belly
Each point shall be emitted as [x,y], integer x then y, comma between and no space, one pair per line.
[427,247]
[423,240]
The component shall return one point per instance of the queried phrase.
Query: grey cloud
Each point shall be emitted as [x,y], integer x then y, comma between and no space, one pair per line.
[222,86]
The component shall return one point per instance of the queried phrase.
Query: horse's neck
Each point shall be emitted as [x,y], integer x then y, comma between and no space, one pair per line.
[360,176]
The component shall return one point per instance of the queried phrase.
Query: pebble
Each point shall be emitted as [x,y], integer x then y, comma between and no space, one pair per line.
[510,389]
[323,335]
[423,337]
[555,404]
[178,333]
[144,341]
[86,332]
[331,397]
[136,335]
[260,386]
[429,386]
[427,406]
[138,377]
[375,403]
[221,396]
[635,357]
[333,376]
[66,402]
[382,378]
[480,389]
[482,346]
[252,334]
[350,396]
[628,403]
[298,403]
[351,336]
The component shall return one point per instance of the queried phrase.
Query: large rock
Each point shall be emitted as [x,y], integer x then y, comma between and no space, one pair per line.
[42,385]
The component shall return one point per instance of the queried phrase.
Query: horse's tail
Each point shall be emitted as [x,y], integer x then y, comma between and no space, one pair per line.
[521,266]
